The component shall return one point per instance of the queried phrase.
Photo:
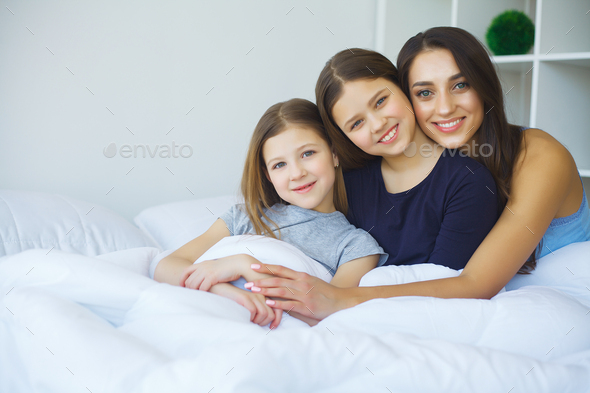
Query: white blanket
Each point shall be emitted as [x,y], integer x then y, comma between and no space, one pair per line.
[72,323]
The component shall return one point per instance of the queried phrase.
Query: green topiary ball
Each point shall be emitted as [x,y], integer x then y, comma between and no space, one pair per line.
[511,33]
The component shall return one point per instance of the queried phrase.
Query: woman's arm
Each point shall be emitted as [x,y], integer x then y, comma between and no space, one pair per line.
[171,268]
[542,180]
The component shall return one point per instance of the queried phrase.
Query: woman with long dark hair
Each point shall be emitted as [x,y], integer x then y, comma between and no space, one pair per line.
[458,101]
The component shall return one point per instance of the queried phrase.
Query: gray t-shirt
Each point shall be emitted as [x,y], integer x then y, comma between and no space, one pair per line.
[326,237]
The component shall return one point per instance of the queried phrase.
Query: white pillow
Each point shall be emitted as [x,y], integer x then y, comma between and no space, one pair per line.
[136,260]
[395,275]
[40,220]
[265,249]
[566,269]
[172,225]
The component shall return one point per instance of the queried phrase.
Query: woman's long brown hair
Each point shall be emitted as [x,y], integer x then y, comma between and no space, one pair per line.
[475,65]
[259,193]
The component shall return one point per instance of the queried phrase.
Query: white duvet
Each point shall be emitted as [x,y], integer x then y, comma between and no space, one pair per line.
[72,323]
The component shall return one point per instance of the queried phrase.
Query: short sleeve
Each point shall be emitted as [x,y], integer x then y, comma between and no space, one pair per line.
[470,213]
[358,244]
[236,220]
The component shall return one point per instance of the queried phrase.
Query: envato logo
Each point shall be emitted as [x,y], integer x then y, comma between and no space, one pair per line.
[466,150]
[164,151]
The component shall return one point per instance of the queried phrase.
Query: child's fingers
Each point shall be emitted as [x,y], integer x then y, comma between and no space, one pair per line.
[194,281]
[186,274]
[278,316]
[261,314]
[206,284]
[250,306]
[264,313]
[270,316]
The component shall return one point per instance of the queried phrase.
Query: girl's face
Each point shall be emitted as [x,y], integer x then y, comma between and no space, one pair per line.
[376,116]
[300,165]
[443,101]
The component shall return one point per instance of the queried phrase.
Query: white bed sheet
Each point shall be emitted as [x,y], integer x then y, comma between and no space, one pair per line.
[73,323]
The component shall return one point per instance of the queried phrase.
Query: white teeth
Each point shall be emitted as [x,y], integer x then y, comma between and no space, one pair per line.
[389,136]
[448,125]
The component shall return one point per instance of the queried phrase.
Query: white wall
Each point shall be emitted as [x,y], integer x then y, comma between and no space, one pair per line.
[77,76]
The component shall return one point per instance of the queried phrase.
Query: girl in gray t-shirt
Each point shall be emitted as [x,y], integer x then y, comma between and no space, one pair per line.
[294,191]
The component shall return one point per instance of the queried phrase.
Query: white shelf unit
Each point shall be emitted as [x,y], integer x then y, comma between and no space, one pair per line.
[547,88]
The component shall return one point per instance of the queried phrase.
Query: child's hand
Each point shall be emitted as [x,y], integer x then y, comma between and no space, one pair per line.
[260,313]
[204,275]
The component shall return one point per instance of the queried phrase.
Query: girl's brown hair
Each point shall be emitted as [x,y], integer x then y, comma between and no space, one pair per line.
[347,66]
[475,65]
[258,191]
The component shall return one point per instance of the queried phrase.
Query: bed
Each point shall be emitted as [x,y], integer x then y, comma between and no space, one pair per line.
[80,313]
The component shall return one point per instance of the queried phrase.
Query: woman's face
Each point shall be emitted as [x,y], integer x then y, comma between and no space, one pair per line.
[444,103]
[376,116]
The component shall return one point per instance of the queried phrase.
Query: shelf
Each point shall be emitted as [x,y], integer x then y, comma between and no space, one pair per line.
[515,63]
[580,59]
[565,56]
[523,63]
[513,59]
[584,172]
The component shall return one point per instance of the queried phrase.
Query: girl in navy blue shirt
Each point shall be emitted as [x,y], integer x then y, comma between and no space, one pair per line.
[422,203]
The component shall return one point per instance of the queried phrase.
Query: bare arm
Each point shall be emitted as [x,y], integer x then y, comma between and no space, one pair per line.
[202,276]
[350,273]
[170,268]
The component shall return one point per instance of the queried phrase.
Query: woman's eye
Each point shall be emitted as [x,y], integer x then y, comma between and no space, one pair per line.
[461,85]
[424,93]
[279,165]
[308,153]
[356,124]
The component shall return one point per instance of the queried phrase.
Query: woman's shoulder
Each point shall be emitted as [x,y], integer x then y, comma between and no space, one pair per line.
[547,167]
[537,139]
[540,149]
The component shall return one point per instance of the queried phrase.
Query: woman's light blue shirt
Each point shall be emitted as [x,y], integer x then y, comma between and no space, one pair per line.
[565,230]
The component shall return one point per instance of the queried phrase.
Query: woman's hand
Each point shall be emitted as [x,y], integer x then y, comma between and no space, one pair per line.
[306,295]
[260,313]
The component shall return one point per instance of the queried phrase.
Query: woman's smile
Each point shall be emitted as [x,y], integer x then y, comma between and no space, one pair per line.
[449,125]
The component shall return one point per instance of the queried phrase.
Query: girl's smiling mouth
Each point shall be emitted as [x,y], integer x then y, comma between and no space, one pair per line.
[305,188]
[390,135]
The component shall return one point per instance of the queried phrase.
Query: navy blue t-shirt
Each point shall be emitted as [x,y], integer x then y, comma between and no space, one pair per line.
[442,220]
